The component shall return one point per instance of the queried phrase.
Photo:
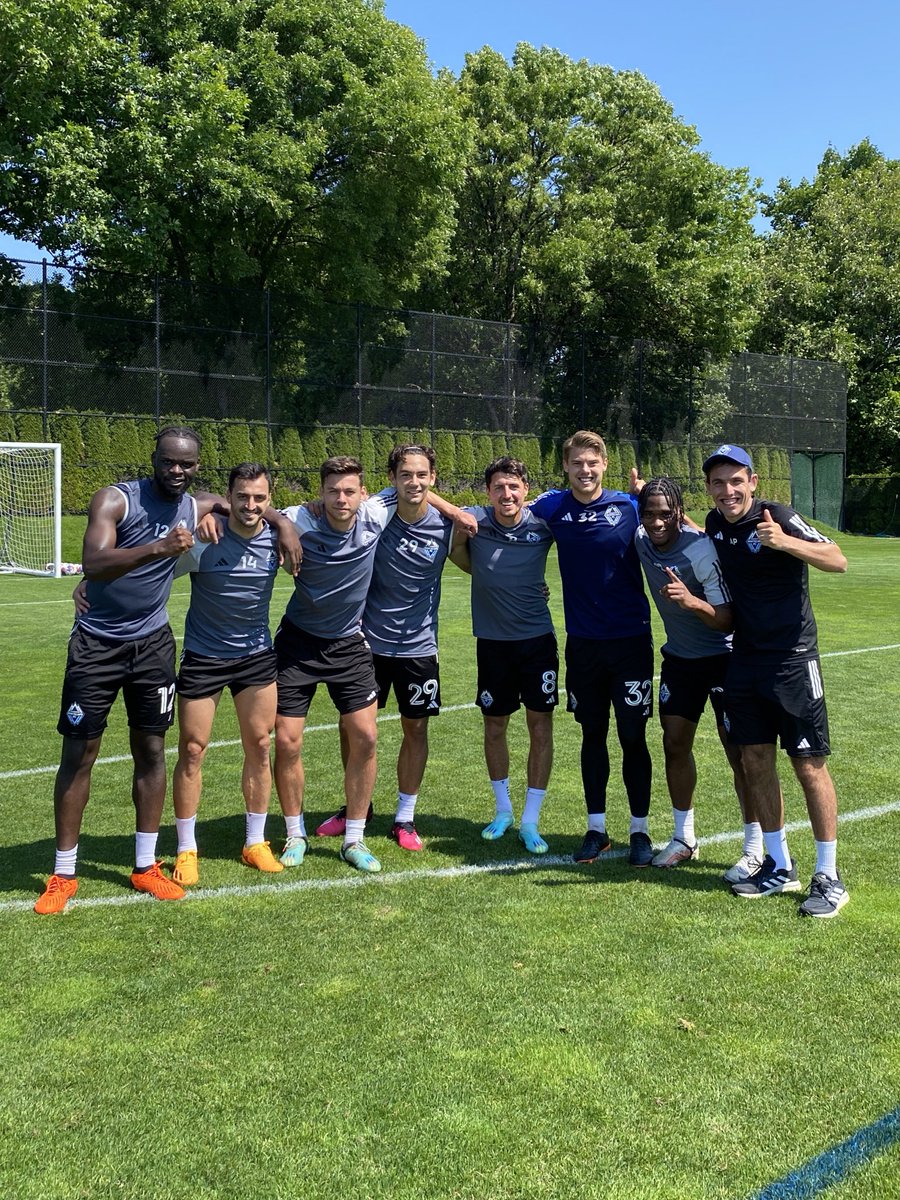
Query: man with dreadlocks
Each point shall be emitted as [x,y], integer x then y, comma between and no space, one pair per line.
[686,583]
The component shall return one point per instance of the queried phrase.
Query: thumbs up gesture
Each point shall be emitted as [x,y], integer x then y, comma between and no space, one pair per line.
[770,532]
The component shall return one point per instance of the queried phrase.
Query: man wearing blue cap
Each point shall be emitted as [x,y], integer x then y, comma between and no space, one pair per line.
[774,686]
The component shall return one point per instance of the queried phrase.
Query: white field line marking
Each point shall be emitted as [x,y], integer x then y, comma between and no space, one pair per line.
[447,708]
[461,871]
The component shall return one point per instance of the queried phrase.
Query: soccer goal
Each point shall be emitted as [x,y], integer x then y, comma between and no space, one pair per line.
[30,508]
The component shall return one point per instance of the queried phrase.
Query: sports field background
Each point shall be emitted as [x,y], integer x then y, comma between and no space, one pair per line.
[447,1029]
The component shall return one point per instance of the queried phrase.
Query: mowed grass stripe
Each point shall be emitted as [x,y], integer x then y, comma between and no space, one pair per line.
[460,871]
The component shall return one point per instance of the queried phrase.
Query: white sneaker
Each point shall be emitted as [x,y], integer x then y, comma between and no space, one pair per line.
[746,865]
[677,851]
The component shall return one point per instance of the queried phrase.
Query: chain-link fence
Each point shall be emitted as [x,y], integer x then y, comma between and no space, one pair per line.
[78,340]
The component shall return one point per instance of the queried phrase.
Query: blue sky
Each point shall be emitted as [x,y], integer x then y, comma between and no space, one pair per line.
[768,86]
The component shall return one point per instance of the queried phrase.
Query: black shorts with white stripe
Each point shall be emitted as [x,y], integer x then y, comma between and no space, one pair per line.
[768,701]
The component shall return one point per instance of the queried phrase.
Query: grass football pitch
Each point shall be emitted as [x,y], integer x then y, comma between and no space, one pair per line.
[473,1023]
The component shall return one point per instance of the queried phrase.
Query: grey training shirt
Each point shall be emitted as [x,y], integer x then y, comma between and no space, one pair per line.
[508,566]
[692,557]
[330,590]
[231,587]
[134,605]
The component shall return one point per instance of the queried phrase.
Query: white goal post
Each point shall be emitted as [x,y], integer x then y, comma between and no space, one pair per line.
[31,508]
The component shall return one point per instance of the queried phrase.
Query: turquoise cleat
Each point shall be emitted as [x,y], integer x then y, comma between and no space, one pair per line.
[294,851]
[497,827]
[358,855]
[531,839]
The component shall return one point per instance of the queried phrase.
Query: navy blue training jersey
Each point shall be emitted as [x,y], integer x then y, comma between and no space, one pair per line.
[603,587]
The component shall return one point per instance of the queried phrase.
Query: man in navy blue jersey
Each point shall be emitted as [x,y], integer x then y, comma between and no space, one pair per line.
[609,648]
[774,685]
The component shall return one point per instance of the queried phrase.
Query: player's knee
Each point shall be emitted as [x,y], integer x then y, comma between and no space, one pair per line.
[288,744]
[676,746]
[191,754]
[362,742]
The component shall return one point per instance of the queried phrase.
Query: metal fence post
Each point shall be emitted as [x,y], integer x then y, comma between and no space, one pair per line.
[640,403]
[267,384]
[45,350]
[359,366]
[433,373]
[583,379]
[157,348]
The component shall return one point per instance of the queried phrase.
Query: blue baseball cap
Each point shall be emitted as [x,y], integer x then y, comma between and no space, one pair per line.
[733,454]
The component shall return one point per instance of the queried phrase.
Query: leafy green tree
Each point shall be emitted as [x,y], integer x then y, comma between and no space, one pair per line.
[587,202]
[465,456]
[445,454]
[235,444]
[95,429]
[316,452]
[303,146]
[289,450]
[832,267]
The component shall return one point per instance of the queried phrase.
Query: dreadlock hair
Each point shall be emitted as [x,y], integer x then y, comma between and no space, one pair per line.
[665,486]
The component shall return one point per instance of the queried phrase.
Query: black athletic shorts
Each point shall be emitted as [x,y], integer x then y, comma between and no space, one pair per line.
[510,672]
[344,665]
[98,669]
[766,701]
[685,684]
[617,671]
[200,676]
[416,683]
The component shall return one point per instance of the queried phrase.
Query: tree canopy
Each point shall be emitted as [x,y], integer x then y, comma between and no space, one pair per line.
[585,201]
[300,144]
[832,270]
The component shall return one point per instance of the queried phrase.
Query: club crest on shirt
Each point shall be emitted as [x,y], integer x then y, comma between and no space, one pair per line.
[613,514]
[368,537]
[754,545]
[429,550]
[272,561]
[532,537]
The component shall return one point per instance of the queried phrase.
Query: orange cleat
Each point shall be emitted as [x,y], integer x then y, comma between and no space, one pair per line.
[58,893]
[186,873]
[260,856]
[156,884]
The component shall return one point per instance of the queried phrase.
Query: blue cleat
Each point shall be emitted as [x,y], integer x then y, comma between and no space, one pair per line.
[531,839]
[358,855]
[497,827]
[294,851]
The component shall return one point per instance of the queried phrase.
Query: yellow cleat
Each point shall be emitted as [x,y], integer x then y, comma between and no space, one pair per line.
[186,872]
[260,856]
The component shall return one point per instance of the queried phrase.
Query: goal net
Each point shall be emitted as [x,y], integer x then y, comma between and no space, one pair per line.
[30,508]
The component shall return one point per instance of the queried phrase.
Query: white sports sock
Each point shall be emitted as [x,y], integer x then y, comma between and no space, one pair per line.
[295,826]
[640,825]
[186,827]
[534,798]
[777,848]
[826,858]
[684,825]
[753,839]
[501,795]
[354,831]
[65,861]
[406,807]
[597,822]
[256,828]
[145,850]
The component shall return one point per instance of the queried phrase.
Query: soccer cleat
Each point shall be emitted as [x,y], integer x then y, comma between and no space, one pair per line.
[336,826]
[358,855]
[260,855]
[497,827]
[294,852]
[748,864]
[640,853]
[154,883]
[531,839]
[404,834]
[57,894]
[595,842]
[769,880]
[677,851]
[186,872]
[826,897]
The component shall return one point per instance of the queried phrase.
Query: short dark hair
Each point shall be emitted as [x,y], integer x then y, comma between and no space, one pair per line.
[179,431]
[505,466]
[340,464]
[249,470]
[665,486]
[403,449]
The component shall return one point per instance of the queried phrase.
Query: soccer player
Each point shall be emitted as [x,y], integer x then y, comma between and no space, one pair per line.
[609,648]
[136,532]
[227,644]
[320,641]
[774,687]
[400,624]
[518,662]
[685,580]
